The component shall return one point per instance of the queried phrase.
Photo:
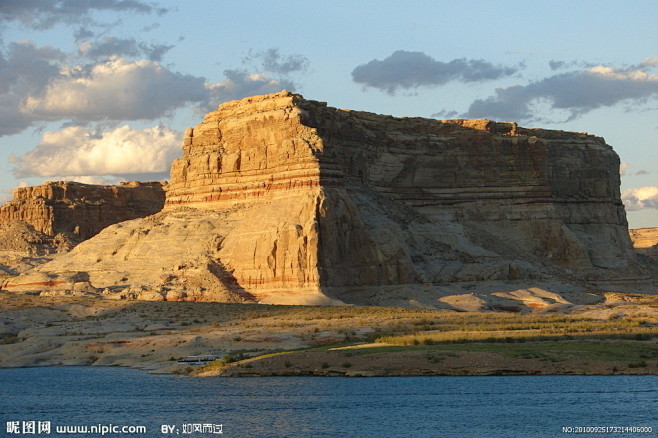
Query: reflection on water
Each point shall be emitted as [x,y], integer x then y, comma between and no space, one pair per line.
[317,407]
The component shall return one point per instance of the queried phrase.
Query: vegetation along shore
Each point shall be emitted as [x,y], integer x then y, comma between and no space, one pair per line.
[617,335]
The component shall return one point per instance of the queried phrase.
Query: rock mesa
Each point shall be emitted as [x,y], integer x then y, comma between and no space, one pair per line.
[281,199]
[81,210]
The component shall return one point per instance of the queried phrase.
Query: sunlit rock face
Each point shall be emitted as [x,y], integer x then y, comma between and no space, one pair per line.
[280,199]
[645,241]
[81,210]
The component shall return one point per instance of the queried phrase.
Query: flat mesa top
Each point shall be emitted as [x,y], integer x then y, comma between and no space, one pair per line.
[286,99]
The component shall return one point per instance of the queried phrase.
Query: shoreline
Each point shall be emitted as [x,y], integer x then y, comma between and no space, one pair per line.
[346,376]
[462,360]
[617,336]
[233,373]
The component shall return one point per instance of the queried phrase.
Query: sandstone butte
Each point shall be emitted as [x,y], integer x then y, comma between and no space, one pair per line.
[279,199]
[81,210]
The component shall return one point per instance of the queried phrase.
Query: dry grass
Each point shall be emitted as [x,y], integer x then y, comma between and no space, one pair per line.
[520,328]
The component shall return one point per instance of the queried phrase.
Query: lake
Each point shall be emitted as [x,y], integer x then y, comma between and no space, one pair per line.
[39,399]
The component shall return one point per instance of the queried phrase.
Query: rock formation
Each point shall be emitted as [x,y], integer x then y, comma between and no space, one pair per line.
[280,199]
[22,248]
[81,210]
[645,241]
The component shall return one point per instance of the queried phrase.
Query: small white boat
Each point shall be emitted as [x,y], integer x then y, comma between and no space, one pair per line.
[197,360]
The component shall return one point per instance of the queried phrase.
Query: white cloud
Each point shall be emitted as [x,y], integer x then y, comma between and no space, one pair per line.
[117,89]
[78,151]
[25,70]
[640,198]
[36,85]
[576,93]
[406,70]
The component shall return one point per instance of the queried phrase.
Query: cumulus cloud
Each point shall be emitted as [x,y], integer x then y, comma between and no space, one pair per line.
[25,69]
[78,151]
[117,89]
[109,47]
[640,198]
[406,70]
[38,85]
[576,93]
[44,14]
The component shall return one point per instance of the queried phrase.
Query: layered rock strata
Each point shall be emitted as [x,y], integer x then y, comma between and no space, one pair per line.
[285,200]
[645,241]
[81,210]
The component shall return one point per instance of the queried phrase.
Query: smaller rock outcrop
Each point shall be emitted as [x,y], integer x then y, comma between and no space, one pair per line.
[22,248]
[81,210]
[645,241]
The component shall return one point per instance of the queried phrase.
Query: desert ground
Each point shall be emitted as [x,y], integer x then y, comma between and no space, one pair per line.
[616,334]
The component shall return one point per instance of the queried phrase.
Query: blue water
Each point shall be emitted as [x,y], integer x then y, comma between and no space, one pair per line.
[533,406]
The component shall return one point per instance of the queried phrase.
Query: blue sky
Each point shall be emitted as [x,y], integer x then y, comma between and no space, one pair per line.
[101,90]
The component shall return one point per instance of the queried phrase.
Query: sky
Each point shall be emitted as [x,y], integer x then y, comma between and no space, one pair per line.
[101,91]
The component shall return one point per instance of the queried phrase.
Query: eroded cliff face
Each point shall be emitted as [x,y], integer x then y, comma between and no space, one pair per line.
[645,241]
[466,200]
[284,200]
[81,210]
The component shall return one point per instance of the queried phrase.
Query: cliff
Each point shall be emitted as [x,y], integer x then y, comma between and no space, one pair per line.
[284,200]
[81,210]
[645,241]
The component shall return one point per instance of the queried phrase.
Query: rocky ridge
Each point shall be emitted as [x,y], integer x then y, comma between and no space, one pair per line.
[280,199]
[81,210]
[52,218]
